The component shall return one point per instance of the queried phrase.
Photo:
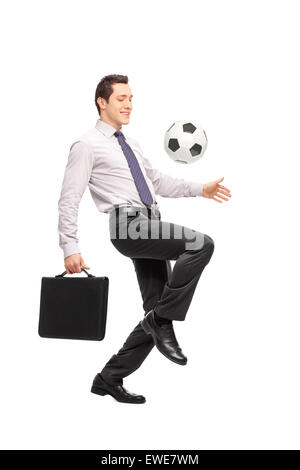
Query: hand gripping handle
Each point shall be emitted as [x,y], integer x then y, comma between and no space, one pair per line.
[82,269]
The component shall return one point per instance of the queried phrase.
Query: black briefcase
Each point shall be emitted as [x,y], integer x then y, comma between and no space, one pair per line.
[73,307]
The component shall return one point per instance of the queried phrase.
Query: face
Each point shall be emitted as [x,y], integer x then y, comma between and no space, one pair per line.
[118,109]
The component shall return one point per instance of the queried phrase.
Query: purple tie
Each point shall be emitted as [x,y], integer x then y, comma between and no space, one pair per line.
[135,169]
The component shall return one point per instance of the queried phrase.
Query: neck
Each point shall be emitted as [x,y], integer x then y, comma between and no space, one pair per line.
[118,127]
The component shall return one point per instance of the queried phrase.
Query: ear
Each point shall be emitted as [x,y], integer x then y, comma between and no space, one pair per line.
[101,101]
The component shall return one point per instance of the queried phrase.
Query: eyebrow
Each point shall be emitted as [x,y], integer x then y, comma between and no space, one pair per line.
[125,95]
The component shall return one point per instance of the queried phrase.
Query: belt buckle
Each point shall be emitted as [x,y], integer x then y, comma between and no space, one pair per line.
[131,211]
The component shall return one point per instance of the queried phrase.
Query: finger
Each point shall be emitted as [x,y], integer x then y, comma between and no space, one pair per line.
[219,192]
[224,187]
[224,192]
[220,179]
[82,263]
[222,197]
[216,199]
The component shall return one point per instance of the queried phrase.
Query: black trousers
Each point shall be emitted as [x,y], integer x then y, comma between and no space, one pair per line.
[151,244]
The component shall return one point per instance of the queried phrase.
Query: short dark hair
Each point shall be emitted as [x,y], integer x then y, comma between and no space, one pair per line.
[104,88]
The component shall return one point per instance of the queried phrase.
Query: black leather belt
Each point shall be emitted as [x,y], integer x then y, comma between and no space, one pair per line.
[133,210]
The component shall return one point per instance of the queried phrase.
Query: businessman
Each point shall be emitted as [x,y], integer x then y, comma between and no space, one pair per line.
[124,185]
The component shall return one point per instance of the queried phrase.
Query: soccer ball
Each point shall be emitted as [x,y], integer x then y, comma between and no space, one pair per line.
[185,142]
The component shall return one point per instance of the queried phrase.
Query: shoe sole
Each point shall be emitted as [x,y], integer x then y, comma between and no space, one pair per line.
[148,330]
[100,391]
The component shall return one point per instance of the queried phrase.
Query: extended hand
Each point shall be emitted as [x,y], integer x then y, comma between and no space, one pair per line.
[213,189]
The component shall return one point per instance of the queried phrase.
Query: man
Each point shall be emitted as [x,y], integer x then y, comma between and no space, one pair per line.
[124,184]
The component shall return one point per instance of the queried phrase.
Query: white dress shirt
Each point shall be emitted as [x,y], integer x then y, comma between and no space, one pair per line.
[96,160]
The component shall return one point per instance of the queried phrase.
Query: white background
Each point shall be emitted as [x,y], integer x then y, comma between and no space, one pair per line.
[234,68]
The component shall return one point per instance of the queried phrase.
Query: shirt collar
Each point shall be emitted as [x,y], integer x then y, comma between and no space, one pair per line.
[105,128]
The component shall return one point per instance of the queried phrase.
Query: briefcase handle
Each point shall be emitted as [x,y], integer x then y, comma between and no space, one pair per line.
[82,269]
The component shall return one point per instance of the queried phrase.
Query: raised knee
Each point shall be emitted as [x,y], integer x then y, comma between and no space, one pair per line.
[209,244]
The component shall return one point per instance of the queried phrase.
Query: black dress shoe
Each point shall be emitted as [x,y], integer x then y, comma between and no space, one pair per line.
[164,338]
[100,387]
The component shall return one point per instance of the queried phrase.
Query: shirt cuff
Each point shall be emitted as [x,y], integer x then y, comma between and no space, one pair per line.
[196,189]
[70,249]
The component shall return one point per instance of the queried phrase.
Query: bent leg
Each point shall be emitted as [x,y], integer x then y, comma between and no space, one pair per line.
[174,292]
[161,240]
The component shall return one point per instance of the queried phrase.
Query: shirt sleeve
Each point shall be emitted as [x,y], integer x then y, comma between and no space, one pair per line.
[168,186]
[76,178]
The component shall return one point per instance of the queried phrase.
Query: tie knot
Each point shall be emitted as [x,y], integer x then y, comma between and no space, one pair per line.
[119,134]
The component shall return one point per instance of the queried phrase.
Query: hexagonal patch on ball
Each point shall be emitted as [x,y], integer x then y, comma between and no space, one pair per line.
[196,150]
[173,145]
[189,127]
